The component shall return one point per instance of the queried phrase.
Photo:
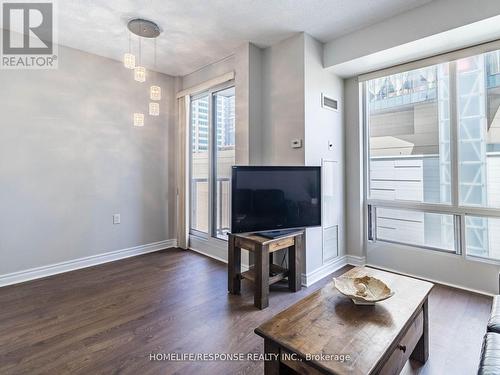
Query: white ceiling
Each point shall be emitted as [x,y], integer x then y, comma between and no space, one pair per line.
[198,32]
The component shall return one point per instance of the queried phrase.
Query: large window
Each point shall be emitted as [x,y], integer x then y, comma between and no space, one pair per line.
[433,153]
[212,137]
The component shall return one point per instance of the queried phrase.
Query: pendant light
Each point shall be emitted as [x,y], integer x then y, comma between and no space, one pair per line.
[139,119]
[155,93]
[143,29]
[140,74]
[154,109]
[140,71]
[129,58]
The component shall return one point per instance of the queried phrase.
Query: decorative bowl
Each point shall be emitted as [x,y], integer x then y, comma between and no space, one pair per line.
[363,290]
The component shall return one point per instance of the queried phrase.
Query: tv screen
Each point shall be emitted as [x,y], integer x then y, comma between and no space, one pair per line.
[275,198]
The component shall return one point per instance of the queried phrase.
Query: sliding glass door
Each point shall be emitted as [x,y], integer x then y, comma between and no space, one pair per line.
[224,147]
[200,160]
[212,149]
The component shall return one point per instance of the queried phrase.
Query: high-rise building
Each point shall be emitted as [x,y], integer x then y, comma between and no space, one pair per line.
[225,123]
[199,123]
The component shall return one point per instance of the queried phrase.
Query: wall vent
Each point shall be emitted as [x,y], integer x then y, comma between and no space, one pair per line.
[329,103]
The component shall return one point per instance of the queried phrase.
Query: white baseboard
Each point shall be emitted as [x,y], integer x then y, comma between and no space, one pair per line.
[355,260]
[330,267]
[209,255]
[244,267]
[75,264]
[323,271]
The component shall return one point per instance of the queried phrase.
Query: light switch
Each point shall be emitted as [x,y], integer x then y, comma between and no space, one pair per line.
[116,219]
[330,146]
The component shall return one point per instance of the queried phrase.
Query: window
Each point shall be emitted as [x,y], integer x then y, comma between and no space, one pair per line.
[212,156]
[225,159]
[483,237]
[417,228]
[410,136]
[478,92]
[433,156]
[200,168]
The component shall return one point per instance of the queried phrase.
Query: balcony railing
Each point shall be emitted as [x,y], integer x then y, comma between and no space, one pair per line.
[222,206]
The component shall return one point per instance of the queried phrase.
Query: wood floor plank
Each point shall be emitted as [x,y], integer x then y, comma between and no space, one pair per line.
[109,318]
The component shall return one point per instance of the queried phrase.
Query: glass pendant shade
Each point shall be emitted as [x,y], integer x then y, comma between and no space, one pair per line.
[129,61]
[155,92]
[154,109]
[140,74]
[138,119]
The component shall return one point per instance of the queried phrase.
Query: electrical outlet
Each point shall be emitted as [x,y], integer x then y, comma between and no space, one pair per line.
[296,143]
[116,219]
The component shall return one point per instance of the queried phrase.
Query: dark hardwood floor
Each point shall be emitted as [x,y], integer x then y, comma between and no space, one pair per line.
[108,319]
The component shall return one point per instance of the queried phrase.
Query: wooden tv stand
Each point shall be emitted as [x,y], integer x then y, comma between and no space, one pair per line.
[264,272]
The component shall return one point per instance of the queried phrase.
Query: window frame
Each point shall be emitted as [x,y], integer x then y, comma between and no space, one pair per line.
[212,152]
[454,208]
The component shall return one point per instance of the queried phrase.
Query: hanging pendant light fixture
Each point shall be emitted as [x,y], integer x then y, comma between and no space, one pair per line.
[140,74]
[155,93]
[154,109]
[139,119]
[129,61]
[129,58]
[143,29]
[140,71]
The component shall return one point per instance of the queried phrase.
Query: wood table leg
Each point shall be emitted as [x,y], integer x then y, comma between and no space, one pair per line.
[272,361]
[233,267]
[294,269]
[421,351]
[261,295]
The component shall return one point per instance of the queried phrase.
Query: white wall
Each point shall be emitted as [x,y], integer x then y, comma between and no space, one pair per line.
[208,72]
[435,17]
[321,126]
[70,158]
[293,80]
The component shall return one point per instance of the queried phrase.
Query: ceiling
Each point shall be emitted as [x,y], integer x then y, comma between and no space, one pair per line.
[198,32]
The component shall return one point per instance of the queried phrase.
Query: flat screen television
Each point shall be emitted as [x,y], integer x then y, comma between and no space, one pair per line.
[275,198]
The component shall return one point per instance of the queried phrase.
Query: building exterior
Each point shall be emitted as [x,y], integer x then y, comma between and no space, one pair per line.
[409,130]
[224,159]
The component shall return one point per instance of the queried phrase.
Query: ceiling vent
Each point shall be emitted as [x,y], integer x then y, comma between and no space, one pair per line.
[329,103]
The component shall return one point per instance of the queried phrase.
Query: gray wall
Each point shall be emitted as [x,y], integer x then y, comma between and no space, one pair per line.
[70,158]
[353,170]
[283,102]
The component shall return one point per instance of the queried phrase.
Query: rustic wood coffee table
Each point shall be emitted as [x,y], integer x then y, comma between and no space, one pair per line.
[326,333]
